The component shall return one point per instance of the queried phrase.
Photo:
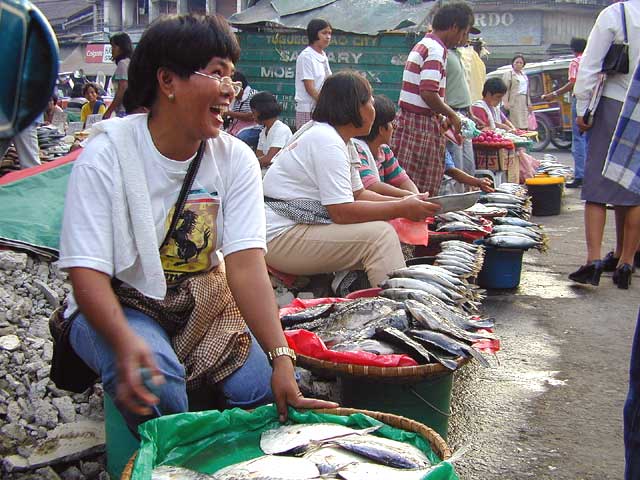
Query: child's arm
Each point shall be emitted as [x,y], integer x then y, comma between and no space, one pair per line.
[458,175]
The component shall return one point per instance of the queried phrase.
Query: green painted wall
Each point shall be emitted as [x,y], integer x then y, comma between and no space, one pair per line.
[268,61]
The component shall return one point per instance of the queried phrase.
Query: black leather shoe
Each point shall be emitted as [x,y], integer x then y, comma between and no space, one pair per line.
[588,274]
[609,262]
[636,260]
[577,183]
[622,276]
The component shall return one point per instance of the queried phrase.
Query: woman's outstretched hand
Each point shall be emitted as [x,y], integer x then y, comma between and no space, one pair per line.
[286,392]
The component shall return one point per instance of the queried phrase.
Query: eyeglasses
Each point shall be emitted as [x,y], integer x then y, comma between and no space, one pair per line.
[226,81]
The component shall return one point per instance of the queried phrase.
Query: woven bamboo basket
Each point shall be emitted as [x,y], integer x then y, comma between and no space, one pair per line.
[437,443]
[326,369]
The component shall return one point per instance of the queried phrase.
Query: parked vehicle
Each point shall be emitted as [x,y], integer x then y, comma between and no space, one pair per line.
[553,117]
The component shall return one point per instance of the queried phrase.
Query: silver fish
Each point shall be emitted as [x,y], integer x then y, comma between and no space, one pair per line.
[512,241]
[514,221]
[369,471]
[297,437]
[448,344]
[385,451]
[269,467]
[415,285]
[368,345]
[169,472]
[330,459]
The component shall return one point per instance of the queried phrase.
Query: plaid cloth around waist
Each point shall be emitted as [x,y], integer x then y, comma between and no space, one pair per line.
[206,327]
[300,210]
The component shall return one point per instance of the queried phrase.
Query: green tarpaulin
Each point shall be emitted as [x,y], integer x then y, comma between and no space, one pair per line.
[31,211]
[209,441]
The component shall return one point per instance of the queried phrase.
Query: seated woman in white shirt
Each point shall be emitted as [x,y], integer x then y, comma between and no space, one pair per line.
[320,219]
[275,134]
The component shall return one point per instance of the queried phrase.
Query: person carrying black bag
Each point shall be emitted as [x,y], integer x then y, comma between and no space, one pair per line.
[615,25]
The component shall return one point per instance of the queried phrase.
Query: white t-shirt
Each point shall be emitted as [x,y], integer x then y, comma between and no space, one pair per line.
[277,137]
[227,188]
[316,166]
[310,65]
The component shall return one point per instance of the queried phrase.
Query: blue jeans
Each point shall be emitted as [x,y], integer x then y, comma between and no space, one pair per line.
[247,387]
[632,413]
[250,136]
[578,143]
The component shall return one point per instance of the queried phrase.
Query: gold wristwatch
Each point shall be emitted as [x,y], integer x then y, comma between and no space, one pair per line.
[280,351]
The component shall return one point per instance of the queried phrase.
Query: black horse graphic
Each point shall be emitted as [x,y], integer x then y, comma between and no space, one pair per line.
[187,249]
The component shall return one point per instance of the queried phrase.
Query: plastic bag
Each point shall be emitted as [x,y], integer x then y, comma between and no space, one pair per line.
[208,441]
[413,233]
[308,343]
[532,123]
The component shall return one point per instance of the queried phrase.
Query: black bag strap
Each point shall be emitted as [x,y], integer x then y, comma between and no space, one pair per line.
[186,186]
[624,22]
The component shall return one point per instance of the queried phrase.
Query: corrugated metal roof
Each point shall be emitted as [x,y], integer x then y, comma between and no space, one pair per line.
[289,7]
[373,16]
[58,11]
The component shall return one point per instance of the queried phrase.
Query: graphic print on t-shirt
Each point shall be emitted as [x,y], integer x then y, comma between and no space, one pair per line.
[193,241]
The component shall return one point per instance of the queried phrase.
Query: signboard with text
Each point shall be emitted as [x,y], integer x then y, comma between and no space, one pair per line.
[98,53]
[510,28]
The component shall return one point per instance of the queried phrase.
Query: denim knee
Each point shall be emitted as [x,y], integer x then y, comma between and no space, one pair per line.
[99,356]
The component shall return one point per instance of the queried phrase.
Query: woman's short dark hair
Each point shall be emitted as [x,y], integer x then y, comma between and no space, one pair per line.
[314,26]
[89,85]
[578,45]
[340,99]
[266,104]
[385,113]
[123,42]
[183,44]
[239,77]
[494,85]
[453,15]
[519,56]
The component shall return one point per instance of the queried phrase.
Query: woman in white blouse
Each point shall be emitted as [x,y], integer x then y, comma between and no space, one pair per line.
[517,100]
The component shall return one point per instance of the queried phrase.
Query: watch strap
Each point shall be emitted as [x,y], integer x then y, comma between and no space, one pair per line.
[279,352]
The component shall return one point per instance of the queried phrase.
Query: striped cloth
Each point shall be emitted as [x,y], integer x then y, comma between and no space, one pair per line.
[424,70]
[385,168]
[419,146]
[302,118]
[623,161]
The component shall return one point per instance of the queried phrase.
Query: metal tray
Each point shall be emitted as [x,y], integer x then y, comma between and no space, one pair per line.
[457,201]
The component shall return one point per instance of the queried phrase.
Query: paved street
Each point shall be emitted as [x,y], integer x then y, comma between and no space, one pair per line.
[552,409]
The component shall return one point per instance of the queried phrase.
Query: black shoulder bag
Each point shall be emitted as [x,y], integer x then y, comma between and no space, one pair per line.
[68,370]
[617,58]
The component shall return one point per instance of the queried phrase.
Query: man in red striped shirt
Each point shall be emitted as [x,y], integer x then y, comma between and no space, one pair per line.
[418,139]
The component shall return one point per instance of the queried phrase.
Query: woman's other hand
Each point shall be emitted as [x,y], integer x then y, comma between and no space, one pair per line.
[132,354]
[286,391]
[416,208]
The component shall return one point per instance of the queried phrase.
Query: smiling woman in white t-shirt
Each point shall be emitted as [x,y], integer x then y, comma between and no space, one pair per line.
[320,219]
[275,134]
[312,68]
[146,295]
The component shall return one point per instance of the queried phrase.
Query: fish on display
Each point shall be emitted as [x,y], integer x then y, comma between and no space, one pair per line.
[416,285]
[297,438]
[518,222]
[307,315]
[331,459]
[367,345]
[426,317]
[169,472]
[459,227]
[529,232]
[448,344]
[513,241]
[383,451]
[454,316]
[370,471]
[424,275]
[269,467]
[399,339]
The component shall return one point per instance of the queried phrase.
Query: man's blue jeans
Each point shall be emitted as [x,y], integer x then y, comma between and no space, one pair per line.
[578,143]
[247,387]
[250,136]
[632,413]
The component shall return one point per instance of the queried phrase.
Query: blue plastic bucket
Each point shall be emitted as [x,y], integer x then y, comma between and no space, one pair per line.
[501,269]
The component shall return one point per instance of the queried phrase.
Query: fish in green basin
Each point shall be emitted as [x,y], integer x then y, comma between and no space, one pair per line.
[370,471]
[169,472]
[330,459]
[297,437]
[383,451]
[269,467]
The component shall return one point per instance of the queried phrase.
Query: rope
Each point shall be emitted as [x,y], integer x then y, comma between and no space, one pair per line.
[412,390]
